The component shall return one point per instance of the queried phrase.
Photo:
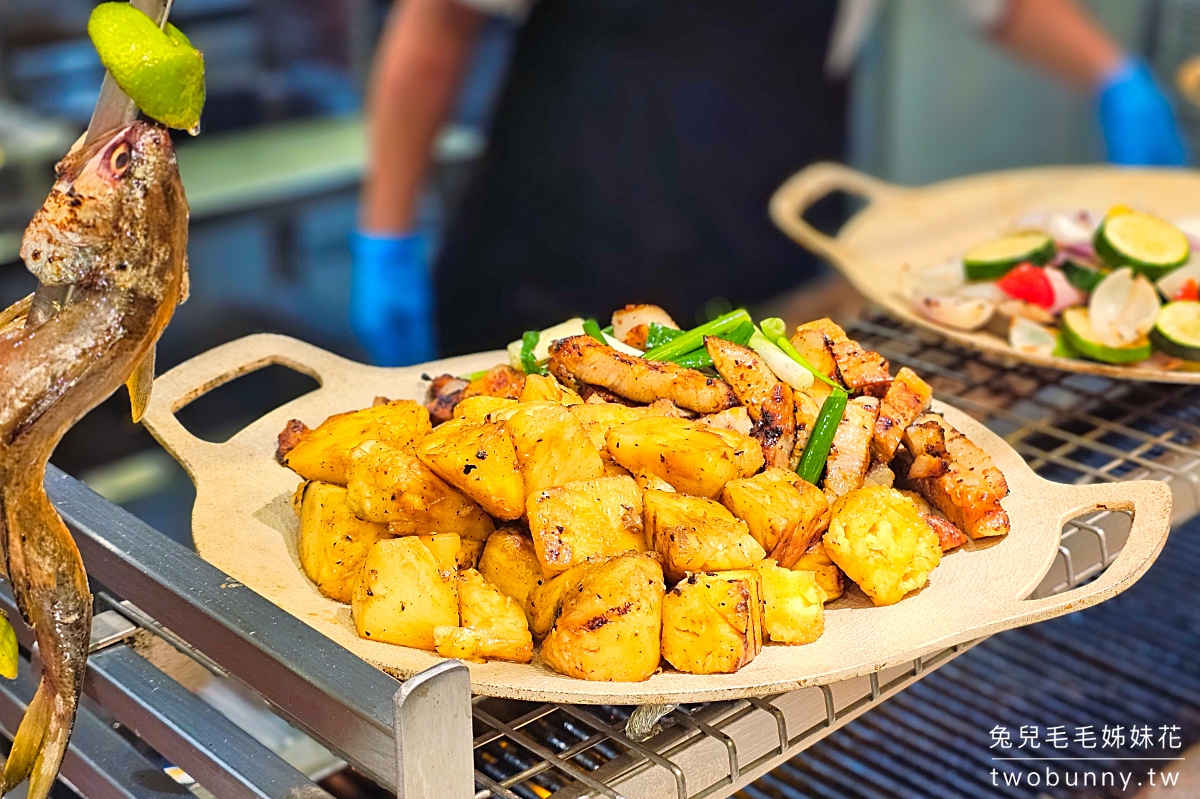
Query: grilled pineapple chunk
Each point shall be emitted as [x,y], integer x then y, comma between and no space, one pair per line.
[545,387]
[545,601]
[747,451]
[782,511]
[712,623]
[323,453]
[608,627]
[403,594]
[691,457]
[828,575]
[794,604]
[452,552]
[598,418]
[479,460]
[585,519]
[510,562]
[880,540]
[493,624]
[333,541]
[552,448]
[386,484]
[693,535]
[477,408]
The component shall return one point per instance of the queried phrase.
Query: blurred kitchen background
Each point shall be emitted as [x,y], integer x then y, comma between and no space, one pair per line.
[273,179]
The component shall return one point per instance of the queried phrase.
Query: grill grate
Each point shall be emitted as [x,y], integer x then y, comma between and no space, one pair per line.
[1071,428]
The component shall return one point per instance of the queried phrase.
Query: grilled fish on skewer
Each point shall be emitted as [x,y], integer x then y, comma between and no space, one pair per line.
[114,227]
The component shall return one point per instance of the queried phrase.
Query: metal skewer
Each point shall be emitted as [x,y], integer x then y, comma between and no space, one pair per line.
[113,110]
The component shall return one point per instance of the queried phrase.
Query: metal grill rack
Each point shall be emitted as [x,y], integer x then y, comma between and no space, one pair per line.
[169,614]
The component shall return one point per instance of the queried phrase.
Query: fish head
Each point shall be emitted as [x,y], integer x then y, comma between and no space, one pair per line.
[105,194]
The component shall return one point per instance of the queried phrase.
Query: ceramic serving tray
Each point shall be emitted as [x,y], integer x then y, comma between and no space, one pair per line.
[921,227]
[243,523]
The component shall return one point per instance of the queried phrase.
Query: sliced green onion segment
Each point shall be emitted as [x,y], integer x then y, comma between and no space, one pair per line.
[816,451]
[694,339]
[773,328]
[787,347]
[780,363]
[592,328]
[528,359]
[658,335]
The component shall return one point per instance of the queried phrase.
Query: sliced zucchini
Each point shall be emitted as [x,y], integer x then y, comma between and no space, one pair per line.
[1082,276]
[993,259]
[1079,335]
[1177,330]
[1143,242]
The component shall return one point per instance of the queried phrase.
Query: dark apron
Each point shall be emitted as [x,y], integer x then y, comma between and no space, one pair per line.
[631,158]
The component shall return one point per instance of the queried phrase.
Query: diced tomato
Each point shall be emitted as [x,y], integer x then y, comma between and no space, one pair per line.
[1029,283]
[1188,291]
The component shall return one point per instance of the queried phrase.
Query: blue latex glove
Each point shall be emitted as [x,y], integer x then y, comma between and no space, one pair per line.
[391,299]
[1137,120]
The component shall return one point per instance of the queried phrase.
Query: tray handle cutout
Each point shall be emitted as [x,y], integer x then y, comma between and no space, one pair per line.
[802,190]
[218,366]
[1149,503]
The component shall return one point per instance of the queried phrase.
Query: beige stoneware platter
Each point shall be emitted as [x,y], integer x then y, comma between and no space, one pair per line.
[920,227]
[244,525]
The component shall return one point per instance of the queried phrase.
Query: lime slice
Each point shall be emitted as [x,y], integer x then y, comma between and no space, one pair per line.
[1142,242]
[992,259]
[1079,335]
[158,69]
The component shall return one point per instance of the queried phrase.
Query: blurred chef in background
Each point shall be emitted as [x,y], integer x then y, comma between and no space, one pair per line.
[634,148]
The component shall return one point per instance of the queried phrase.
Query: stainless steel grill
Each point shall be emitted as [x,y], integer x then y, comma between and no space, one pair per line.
[171,614]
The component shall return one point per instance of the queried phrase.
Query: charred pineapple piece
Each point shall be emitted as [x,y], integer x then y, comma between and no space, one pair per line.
[552,447]
[794,604]
[694,535]
[493,625]
[403,594]
[850,455]
[783,512]
[477,408]
[969,492]
[586,519]
[544,388]
[712,623]
[882,543]
[907,398]
[747,452]
[479,460]
[861,370]
[828,575]
[608,621]
[692,458]
[389,485]
[324,453]
[510,562]
[333,542]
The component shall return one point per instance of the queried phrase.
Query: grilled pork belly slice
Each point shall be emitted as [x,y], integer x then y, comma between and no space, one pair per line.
[585,360]
[906,399]
[768,400]
[861,370]
[969,492]
[850,455]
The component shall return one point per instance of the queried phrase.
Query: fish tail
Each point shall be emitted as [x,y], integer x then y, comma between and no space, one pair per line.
[27,744]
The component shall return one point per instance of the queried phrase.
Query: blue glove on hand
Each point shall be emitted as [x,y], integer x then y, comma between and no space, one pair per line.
[391,299]
[1139,126]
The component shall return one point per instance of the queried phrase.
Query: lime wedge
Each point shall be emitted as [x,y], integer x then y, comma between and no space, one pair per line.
[158,69]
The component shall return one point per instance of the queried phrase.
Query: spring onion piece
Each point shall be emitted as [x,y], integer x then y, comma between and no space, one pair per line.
[471,378]
[592,328]
[608,331]
[528,360]
[778,361]
[790,351]
[773,328]
[696,359]
[657,335]
[816,451]
[699,358]
[694,339]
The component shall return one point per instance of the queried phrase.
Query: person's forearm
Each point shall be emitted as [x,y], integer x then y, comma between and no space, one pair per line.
[1060,37]
[421,59]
